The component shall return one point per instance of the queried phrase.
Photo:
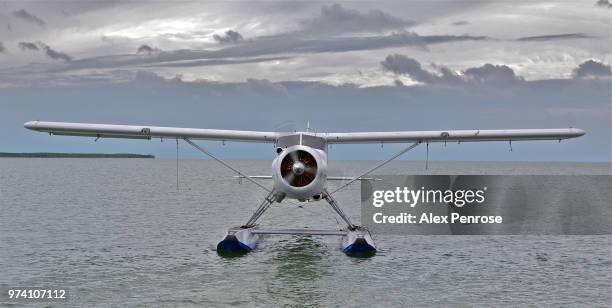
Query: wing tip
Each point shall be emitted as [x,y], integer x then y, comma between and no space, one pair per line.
[577,132]
[30,124]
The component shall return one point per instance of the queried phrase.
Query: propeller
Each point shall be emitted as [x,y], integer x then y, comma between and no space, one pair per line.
[299,168]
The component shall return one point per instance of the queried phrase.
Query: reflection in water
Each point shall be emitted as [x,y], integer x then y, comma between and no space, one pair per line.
[301,263]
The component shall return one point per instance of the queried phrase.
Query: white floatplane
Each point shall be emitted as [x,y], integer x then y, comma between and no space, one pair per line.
[299,170]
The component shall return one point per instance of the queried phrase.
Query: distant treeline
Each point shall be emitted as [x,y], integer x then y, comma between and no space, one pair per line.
[75,155]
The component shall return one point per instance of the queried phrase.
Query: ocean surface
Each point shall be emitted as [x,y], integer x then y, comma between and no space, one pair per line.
[118,233]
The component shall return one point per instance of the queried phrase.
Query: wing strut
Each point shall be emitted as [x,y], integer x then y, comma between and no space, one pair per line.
[327,196]
[225,164]
[177,166]
[410,147]
[261,209]
[427,156]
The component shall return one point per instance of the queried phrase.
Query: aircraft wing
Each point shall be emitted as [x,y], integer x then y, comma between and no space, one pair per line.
[147,132]
[454,135]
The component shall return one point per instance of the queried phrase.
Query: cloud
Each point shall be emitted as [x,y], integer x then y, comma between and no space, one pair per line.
[250,89]
[354,43]
[230,37]
[461,23]
[592,69]
[268,46]
[2,49]
[447,75]
[389,32]
[565,36]
[212,62]
[337,19]
[604,3]
[487,73]
[147,49]
[147,76]
[49,52]
[402,65]
[490,73]
[437,39]
[264,87]
[28,46]
[583,103]
[26,16]
[54,54]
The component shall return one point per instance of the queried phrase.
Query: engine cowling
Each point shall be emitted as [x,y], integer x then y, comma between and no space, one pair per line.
[300,172]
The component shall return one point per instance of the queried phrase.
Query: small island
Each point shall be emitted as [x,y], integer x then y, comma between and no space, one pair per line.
[75,155]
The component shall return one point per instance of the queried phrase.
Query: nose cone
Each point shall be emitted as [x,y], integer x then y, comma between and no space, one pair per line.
[298,168]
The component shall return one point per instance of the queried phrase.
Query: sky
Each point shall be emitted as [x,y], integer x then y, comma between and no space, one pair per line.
[341,66]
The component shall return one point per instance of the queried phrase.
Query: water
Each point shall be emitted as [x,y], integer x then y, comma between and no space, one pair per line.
[117,233]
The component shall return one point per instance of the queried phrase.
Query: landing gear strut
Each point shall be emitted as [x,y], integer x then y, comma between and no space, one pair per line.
[270,198]
[332,202]
[356,241]
[241,240]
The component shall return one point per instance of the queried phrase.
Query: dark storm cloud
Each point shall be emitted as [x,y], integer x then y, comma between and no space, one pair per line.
[229,37]
[460,23]
[338,19]
[487,73]
[490,73]
[565,36]
[437,39]
[591,68]
[28,46]
[604,3]
[49,52]
[148,76]
[147,49]
[313,37]
[272,45]
[346,44]
[447,75]
[2,49]
[402,65]
[373,42]
[26,16]
[196,63]
[54,54]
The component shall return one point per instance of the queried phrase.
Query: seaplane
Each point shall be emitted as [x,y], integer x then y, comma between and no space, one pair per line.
[299,169]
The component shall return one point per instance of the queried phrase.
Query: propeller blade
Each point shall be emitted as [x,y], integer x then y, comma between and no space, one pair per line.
[290,177]
[310,170]
[294,156]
